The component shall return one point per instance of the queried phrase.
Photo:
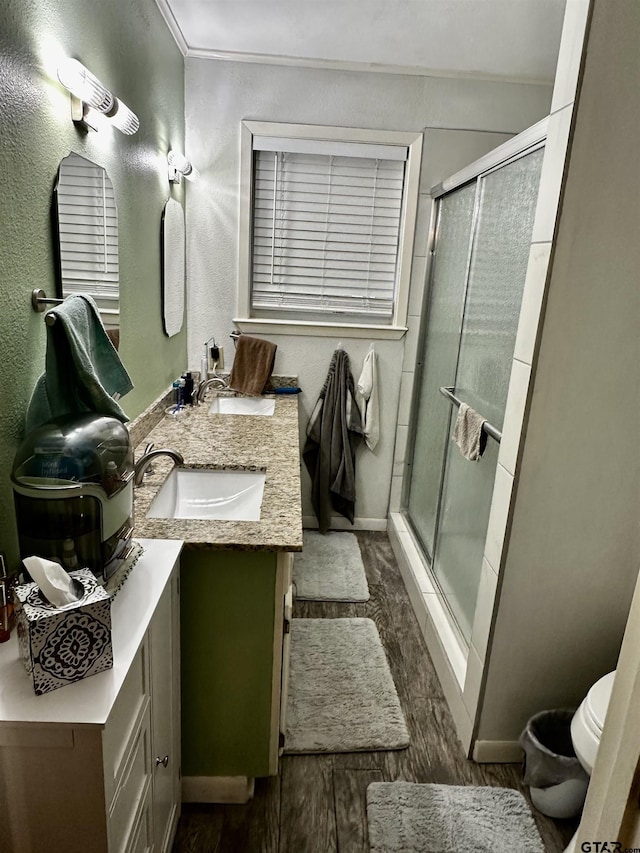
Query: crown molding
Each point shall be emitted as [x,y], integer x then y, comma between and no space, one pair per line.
[344,65]
[174,28]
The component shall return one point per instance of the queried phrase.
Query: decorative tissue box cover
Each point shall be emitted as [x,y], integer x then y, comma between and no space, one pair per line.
[61,645]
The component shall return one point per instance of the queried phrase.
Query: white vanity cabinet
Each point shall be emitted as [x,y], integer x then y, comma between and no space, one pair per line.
[95,766]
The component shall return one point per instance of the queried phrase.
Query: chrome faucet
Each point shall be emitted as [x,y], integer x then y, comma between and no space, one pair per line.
[148,456]
[149,468]
[203,387]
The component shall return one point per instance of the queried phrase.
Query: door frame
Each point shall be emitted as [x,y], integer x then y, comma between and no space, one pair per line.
[612,813]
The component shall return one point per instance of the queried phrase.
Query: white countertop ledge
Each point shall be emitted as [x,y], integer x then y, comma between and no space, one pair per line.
[89,702]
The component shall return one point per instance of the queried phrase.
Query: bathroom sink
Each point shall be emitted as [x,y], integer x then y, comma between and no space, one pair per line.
[242,406]
[202,493]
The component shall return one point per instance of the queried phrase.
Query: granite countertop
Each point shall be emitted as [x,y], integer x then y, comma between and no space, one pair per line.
[268,443]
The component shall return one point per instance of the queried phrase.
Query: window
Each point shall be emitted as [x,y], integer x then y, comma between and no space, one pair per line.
[329,217]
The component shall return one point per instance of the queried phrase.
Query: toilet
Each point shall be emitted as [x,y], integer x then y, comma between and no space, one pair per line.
[587,724]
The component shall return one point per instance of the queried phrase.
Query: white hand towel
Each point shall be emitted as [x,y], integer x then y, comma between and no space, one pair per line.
[468,433]
[367,399]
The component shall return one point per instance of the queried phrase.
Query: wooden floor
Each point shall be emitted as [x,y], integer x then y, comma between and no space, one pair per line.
[317,803]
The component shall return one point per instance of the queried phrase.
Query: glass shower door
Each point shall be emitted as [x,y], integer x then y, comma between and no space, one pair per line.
[439,358]
[449,497]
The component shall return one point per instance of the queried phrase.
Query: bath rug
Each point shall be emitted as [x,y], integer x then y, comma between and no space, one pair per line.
[330,568]
[407,818]
[341,693]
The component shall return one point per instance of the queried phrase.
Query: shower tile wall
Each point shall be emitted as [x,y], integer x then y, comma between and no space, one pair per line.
[498,517]
[570,53]
[557,140]
[512,427]
[484,608]
[532,302]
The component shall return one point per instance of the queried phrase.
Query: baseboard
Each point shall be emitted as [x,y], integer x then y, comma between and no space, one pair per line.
[497,752]
[217,789]
[339,523]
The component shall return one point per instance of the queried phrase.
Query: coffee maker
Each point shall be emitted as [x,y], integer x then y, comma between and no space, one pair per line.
[73,489]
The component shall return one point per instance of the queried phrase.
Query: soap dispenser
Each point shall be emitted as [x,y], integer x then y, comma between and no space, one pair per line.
[204,363]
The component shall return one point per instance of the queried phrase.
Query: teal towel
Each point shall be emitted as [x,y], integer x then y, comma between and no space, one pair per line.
[83,370]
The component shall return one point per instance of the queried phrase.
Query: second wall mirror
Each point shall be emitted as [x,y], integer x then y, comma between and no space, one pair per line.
[173,267]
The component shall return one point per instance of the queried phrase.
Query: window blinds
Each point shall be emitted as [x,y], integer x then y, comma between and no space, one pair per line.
[88,233]
[326,230]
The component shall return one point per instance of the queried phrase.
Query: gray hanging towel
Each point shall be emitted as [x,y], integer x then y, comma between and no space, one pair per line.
[333,434]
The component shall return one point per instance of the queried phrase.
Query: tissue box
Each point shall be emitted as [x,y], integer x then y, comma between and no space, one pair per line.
[60,645]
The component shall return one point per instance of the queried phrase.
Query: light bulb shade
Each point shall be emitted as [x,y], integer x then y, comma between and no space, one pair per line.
[124,119]
[81,83]
[179,163]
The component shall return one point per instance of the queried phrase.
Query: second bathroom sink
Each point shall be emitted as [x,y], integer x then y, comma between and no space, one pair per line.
[206,494]
[242,406]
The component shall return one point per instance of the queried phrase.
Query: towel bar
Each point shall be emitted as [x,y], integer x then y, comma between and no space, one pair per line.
[40,300]
[486,426]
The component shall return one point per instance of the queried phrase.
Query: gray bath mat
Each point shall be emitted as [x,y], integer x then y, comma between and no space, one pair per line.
[408,818]
[330,568]
[341,693]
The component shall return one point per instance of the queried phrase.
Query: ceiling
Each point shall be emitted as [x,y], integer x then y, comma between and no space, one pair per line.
[515,39]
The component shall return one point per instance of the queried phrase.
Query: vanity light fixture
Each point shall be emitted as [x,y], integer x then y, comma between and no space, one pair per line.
[179,167]
[88,93]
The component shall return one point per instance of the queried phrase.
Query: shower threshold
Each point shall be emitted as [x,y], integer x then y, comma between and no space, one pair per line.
[445,644]
[432,601]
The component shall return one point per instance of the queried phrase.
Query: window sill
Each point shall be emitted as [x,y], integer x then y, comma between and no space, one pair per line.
[320,330]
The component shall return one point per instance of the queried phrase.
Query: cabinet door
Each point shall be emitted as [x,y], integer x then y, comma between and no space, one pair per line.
[133,789]
[165,693]
[141,839]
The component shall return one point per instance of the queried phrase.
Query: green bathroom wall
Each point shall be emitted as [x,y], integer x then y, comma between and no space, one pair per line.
[127,45]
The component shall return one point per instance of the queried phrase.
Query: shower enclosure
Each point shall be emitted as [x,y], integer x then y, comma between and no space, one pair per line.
[484,220]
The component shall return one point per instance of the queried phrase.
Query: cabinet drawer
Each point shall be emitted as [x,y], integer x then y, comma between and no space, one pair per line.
[124,720]
[133,788]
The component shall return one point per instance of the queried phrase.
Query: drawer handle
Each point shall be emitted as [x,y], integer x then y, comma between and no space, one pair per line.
[164,761]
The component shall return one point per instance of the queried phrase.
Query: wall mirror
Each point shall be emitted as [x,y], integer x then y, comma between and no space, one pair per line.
[87,226]
[173,267]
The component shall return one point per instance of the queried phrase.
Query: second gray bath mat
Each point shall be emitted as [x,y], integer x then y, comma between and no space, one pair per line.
[407,818]
[330,568]
[341,692]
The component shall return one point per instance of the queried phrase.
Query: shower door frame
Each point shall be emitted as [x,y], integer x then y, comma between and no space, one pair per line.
[530,140]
